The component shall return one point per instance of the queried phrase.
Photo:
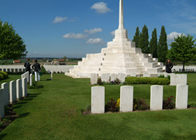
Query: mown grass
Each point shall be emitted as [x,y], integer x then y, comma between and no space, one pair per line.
[54,112]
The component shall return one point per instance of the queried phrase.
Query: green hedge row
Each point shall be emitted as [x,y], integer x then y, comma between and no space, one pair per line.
[3,75]
[147,80]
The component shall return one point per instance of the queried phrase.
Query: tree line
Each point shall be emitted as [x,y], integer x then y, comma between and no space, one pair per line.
[158,49]
[183,48]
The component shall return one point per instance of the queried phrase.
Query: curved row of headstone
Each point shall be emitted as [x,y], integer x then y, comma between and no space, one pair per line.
[12,92]
[12,68]
[107,77]
[126,98]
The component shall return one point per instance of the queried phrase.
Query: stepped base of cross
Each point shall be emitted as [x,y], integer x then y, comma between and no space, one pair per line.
[120,56]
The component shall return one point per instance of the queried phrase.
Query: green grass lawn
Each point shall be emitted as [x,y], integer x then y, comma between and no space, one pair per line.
[54,112]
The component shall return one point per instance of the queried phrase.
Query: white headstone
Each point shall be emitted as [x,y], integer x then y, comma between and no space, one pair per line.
[18,89]
[27,75]
[178,79]
[121,77]
[51,75]
[113,77]
[2,113]
[156,97]
[12,92]
[126,98]
[93,78]
[5,86]
[24,87]
[97,99]
[31,80]
[181,96]
[105,77]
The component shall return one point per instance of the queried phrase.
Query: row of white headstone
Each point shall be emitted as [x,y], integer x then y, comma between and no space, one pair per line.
[126,98]
[12,91]
[107,77]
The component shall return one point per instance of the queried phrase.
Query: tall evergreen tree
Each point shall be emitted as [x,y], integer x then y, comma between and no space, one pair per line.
[153,43]
[162,46]
[136,37]
[143,41]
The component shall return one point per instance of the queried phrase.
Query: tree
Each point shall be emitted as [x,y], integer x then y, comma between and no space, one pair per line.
[136,37]
[11,44]
[143,40]
[162,47]
[153,43]
[183,49]
[65,57]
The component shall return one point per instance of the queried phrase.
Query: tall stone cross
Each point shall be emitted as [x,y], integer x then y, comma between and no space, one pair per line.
[121,19]
[121,33]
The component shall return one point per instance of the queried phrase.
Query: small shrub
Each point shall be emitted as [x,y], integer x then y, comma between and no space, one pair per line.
[132,80]
[161,76]
[168,77]
[99,82]
[147,80]
[6,120]
[117,81]
[1,76]
[143,80]
[1,124]
[140,104]
[111,106]
[118,104]
[169,103]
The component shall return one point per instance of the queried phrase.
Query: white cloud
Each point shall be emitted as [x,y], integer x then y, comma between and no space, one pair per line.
[171,36]
[95,41]
[74,19]
[101,7]
[93,31]
[76,36]
[113,33]
[59,19]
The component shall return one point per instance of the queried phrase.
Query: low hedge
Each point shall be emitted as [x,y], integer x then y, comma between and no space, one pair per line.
[147,80]
[3,75]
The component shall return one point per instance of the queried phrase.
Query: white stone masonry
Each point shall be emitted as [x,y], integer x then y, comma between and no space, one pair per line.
[181,96]
[126,98]
[12,92]
[93,78]
[2,112]
[120,56]
[156,97]
[18,89]
[97,99]
[5,86]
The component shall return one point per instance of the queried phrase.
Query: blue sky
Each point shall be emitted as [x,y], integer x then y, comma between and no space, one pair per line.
[73,28]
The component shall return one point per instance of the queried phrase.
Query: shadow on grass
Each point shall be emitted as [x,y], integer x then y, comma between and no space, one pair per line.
[30,97]
[23,115]
[2,136]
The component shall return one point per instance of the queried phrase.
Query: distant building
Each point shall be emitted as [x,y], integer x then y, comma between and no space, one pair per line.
[61,60]
[16,61]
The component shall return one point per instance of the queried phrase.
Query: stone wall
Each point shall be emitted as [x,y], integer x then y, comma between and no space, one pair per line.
[21,68]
